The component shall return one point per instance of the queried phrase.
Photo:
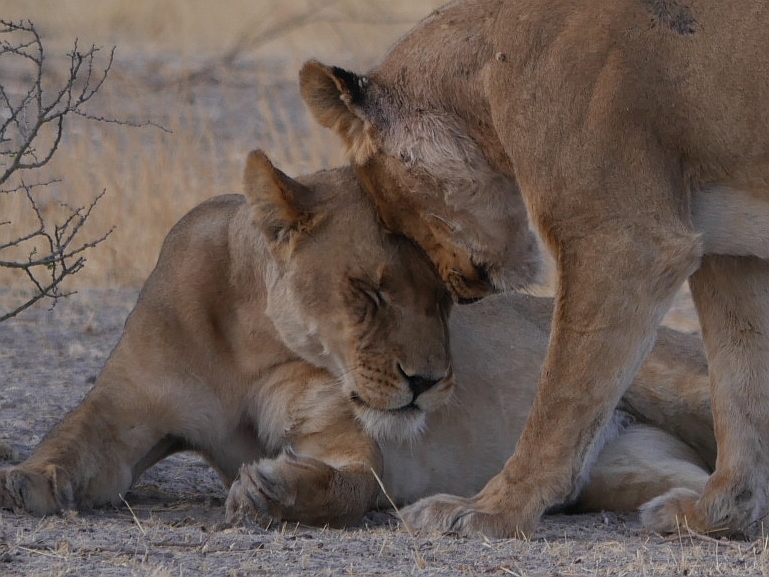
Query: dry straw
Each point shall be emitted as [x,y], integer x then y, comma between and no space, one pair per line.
[221,82]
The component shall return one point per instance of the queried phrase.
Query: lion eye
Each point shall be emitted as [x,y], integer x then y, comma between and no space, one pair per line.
[407,156]
[373,294]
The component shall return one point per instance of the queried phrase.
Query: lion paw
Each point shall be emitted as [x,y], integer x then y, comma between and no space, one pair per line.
[294,488]
[461,516]
[684,509]
[671,511]
[37,492]
[257,491]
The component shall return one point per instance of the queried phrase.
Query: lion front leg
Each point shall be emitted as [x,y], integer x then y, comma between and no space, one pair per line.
[608,308]
[732,299]
[322,473]
[89,458]
[69,466]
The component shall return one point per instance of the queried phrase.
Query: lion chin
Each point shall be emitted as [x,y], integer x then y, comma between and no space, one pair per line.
[399,425]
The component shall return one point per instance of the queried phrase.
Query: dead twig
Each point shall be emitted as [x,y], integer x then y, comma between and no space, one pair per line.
[31,131]
[133,515]
[419,559]
[684,531]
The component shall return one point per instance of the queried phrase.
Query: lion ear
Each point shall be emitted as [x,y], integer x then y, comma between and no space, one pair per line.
[337,99]
[282,207]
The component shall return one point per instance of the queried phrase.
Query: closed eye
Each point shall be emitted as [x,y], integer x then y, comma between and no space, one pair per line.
[372,293]
[407,157]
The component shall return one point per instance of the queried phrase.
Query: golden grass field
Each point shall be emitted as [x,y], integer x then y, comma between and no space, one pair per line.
[220,77]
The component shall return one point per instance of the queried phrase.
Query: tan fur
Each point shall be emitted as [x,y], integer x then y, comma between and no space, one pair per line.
[274,336]
[636,135]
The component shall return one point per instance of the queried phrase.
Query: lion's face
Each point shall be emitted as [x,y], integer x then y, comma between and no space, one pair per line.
[430,181]
[467,238]
[348,296]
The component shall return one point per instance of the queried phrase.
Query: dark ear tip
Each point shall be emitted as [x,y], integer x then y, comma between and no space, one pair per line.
[317,78]
[354,84]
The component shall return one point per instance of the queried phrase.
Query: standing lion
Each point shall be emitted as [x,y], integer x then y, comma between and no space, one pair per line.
[634,136]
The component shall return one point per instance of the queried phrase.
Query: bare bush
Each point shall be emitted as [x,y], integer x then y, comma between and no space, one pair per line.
[32,122]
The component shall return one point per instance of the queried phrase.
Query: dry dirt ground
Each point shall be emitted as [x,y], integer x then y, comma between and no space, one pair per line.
[171,523]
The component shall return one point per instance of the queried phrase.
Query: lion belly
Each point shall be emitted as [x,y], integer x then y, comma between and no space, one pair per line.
[732,222]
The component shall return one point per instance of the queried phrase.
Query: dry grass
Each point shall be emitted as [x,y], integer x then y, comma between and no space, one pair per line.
[350,29]
[222,81]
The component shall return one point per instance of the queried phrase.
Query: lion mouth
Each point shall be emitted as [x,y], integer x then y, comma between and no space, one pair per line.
[401,424]
[409,407]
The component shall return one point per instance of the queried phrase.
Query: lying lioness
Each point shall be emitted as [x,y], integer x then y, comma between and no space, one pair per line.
[290,331]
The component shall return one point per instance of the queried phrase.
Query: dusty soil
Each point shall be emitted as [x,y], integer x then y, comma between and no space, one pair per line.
[172,524]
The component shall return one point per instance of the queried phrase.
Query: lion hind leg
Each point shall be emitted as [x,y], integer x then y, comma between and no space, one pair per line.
[732,299]
[641,464]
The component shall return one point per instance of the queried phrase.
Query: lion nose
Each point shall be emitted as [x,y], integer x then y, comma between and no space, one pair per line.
[418,383]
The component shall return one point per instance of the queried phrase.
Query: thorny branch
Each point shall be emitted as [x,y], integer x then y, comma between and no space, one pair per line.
[32,122]
[63,255]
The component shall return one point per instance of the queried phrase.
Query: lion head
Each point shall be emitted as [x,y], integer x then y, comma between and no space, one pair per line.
[433,177]
[347,295]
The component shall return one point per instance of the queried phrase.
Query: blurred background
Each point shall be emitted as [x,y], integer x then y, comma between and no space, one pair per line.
[214,79]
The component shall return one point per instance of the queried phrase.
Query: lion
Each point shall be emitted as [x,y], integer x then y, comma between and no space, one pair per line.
[659,441]
[285,319]
[304,351]
[630,139]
